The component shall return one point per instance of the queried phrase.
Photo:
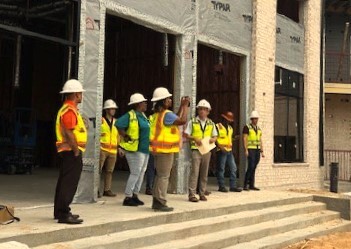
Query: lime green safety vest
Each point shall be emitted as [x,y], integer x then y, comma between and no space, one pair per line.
[199,132]
[132,132]
[225,136]
[254,139]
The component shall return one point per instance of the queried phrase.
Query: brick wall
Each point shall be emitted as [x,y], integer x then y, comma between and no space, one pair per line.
[337,122]
[307,174]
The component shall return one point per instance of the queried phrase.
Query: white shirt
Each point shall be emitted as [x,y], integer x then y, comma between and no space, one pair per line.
[189,127]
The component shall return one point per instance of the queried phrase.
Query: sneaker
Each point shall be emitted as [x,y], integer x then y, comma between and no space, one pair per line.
[193,199]
[129,201]
[236,189]
[109,193]
[136,199]
[203,198]
[223,189]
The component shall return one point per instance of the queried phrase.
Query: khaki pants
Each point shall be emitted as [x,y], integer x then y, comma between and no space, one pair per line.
[107,164]
[199,172]
[163,165]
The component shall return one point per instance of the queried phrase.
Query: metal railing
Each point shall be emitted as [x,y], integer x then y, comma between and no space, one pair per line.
[343,157]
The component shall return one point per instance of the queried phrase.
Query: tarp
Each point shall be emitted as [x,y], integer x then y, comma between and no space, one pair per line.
[175,16]
[229,22]
[290,44]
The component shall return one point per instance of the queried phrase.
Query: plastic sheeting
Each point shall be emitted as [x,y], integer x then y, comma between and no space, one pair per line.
[229,22]
[163,15]
[290,44]
[92,104]
[217,23]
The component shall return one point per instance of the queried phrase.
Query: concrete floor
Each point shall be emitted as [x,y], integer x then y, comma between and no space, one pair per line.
[23,191]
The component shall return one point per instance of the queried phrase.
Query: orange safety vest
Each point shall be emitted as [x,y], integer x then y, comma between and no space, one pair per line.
[225,137]
[163,138]
[109,137]
[80,131]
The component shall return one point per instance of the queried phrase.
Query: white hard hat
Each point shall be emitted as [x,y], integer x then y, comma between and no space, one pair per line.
[204,103]
[136,98]
[254,114]
[160,93]
[72,86]
[110,104]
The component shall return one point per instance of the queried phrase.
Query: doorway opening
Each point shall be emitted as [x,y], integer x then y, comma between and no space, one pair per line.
[218,81]
[137,59]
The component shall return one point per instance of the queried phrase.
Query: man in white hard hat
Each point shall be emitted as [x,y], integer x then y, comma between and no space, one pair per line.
[108,147]
[71,136]
[252,140]
[197,129]
[165,142]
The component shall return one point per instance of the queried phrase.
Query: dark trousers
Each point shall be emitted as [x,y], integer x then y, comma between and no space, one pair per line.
[150,173]
[253,160]
[70,168]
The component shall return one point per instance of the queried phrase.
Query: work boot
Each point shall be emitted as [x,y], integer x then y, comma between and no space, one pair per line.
[129,201]
[148,191]
[246,188]
[223,189]
[136,199]
[193,199]
[157,206]
[254,188]
[208,193]
[203,198]
[109,193]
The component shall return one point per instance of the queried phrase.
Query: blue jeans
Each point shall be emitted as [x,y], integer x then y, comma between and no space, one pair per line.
[137,162]
[223,159]
[150,173]
[252,162]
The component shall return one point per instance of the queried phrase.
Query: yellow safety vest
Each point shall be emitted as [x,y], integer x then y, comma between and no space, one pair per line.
[225,136]
[109,137]
[80,131]
[132,132]
[254,139]
[199,132]
[163,138]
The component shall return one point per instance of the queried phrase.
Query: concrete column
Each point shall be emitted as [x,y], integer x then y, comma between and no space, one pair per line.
[92,40]
[312,24]
[183,86]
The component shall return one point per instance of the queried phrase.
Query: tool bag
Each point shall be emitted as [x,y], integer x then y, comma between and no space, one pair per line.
[7,215]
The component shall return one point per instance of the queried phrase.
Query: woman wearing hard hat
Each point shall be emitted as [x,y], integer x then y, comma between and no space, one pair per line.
[252,140]
[134,130]
[108,147]
[197,129]
[164,142]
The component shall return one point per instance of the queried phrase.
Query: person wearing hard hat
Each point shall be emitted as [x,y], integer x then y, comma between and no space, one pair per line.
[71,139]
[165,142]
[225,153]
[252,140]
[108,147]
[134,130]
[197,129]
